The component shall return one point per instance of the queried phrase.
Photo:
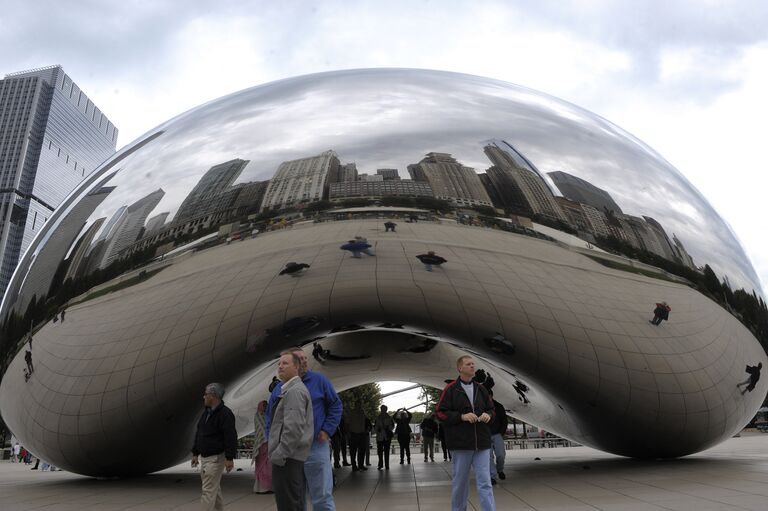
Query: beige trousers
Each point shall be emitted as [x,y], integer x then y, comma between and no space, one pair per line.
[211,470]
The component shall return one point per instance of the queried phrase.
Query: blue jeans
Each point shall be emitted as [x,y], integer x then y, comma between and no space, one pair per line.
[319,474]
[499,451]
[463,460]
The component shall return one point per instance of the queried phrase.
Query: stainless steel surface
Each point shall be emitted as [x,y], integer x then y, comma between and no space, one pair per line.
[117,381]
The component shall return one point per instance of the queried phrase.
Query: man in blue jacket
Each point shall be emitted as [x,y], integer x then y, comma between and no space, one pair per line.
[466,409]
[326,409]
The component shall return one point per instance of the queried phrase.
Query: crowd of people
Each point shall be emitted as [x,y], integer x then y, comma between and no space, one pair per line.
[20,454]
[303,428]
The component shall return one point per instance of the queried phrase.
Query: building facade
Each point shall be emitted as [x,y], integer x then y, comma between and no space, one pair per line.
[389,174]
[51,137]
[302,181]
[450,180]
[376,189]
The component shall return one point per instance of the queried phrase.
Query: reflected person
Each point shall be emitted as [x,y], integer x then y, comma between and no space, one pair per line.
[754,376]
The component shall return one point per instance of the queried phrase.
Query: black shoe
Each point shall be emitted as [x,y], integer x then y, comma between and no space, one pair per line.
[346,464]
[379,468]
[409,462]
[493,482]
[401,462]
[502,476]
[336,466]
[425,460]
[432,460]
[354,468]
[362,468]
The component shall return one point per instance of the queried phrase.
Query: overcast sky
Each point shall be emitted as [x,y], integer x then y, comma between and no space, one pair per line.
[686,77]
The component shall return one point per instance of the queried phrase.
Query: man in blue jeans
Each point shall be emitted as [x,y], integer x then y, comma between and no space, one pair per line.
[466,409]
[326,409]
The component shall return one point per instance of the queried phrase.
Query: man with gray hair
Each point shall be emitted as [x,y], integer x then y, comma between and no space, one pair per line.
[216,444]
[291,435]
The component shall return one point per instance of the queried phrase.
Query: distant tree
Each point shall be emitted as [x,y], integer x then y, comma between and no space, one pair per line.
[369,394]
[485,210]
[321,205]
[403,202]
[431,395]
[432,203]
[355,203]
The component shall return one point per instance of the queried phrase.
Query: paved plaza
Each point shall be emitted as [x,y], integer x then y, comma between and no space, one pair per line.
[731,476]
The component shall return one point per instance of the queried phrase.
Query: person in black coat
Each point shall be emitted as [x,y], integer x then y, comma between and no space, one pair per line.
[754,376]
[403,433]
[443,445]
[428,431]
[660,313]
[499,426]
[467,410]
[216,443]
[431,259]
[294,269]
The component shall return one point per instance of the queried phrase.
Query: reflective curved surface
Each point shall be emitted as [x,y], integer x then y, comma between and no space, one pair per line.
[169,268]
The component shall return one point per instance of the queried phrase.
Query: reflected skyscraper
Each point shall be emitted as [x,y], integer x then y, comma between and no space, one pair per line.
[348,172]
[389,174]
[450,180]
[50,265]
[302,181]
[51,137]
[580,190]
[128,228]
[75,268]
[218,179]
[521,184]
[155,223]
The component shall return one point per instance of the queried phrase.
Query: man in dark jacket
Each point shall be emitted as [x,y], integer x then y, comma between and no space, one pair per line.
[430,259]
[466,409]
[498,449]
[428,431]
[216,443]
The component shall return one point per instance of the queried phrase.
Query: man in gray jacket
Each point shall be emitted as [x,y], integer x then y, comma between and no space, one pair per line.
[290,435]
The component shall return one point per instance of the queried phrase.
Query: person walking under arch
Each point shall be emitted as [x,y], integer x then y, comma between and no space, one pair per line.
[466,409]
[428,428]
[499,426]
[383,427]
[403,432]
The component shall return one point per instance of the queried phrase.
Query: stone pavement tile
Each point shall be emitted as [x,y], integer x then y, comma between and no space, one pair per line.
[694,504]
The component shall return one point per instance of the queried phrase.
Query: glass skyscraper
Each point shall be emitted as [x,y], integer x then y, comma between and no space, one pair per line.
[51,137]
